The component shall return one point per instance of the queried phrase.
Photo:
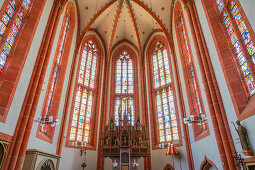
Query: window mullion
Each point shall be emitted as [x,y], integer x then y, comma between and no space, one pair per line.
[91,65]
[85,66]
[158,70]
[170,118]
[163,114]
[85,113]
[78,118]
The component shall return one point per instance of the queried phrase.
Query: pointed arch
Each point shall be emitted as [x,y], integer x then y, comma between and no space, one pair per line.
[190,75]
[58,71]
[124,88]
[169,167]
[207,164]
[162,97]
[85,108]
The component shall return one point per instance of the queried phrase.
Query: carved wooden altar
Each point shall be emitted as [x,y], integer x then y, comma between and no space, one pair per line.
[125,142]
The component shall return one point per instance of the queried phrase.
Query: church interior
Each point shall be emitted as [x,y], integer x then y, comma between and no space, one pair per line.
[127,85]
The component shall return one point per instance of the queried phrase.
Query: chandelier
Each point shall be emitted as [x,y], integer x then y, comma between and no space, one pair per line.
[195,119]
[83,153]
[47,120]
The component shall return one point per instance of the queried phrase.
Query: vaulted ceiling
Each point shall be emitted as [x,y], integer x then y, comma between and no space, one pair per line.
[133,20]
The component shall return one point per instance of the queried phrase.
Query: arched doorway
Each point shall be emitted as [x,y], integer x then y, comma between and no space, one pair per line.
[208,165]
[169,167]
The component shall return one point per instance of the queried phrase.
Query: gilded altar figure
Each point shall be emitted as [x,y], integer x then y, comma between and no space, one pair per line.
[243,135]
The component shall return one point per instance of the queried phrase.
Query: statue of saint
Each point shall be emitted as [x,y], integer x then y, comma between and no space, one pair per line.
[243,135]
[112,124]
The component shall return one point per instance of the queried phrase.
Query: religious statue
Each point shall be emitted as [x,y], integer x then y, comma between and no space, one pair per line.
[111,124]
[243,135]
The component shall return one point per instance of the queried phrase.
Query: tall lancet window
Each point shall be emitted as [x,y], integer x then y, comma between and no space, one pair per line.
[57,74]
[163,95]
[85,94]
[190,75]
[124,88]
[241,40]
[9,27]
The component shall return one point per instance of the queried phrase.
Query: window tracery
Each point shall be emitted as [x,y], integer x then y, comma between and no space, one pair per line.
[124,88]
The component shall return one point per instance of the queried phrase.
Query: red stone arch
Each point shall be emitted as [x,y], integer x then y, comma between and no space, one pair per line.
[153,114]
[56,98]
[199,131]
[168,167]
[96,100]
[207,164]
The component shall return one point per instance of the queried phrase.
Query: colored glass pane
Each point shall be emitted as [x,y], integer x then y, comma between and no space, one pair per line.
[161,71]
[244,31]
[6,17]
[83,104]
[26,3]
[220,4]
[56,70]
[124,88]
[164,97]
[10,40]
[240,56]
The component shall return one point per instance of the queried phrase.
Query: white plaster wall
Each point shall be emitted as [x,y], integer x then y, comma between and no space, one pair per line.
[34,142]
[1,3]
[227,101]
[9,126]
[248,7]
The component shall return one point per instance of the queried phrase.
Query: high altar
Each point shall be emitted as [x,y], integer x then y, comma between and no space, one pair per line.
[124,143]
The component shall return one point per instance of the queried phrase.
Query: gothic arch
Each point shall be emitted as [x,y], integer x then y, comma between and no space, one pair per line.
[46,163]
[96,93]
[133,55]
[168,167]
[153,115]
[207,164]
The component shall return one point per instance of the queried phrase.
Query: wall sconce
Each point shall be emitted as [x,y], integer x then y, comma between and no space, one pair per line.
[195,119]
[47,120]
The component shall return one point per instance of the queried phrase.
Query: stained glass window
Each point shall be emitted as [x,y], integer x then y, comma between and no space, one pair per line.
[220,4]
[13,31]
[190,74]
[55,72]
[6,17]
[124,88]
[83,104]
[165,107]
[236,43]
